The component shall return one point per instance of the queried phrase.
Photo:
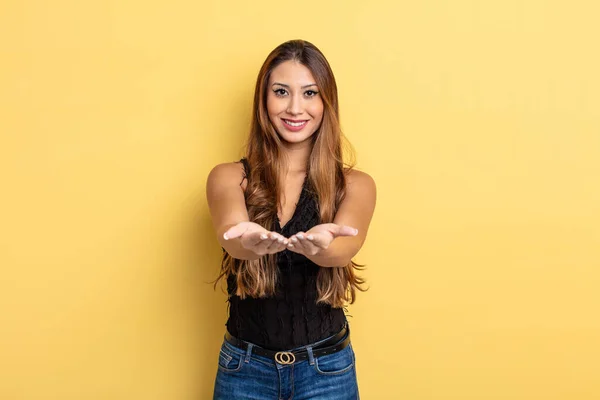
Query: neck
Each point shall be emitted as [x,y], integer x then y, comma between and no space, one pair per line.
[297,155]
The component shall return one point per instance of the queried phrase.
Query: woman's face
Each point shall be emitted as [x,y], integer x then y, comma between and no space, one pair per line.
[294,104]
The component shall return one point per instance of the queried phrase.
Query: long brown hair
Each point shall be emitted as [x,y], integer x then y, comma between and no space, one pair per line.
[336,286]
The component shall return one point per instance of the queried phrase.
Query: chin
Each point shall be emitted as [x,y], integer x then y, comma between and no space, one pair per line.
[289,137]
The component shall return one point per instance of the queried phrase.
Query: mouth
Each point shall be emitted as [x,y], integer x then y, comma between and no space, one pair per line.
[294,125]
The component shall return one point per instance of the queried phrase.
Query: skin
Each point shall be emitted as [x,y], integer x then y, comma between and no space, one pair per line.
[292,95]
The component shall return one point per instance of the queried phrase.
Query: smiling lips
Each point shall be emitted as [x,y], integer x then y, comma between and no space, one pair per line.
[293,125]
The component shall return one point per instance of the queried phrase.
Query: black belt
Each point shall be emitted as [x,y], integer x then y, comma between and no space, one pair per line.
[330,346]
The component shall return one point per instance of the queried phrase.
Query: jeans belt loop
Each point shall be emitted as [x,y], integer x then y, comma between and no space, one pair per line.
[248,353]
[311,357]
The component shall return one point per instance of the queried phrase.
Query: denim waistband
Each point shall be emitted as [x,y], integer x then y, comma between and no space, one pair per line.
[303,347]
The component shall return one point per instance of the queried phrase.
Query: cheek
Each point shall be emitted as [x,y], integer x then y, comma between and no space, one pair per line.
[316,111]
[274,105]
[270,106]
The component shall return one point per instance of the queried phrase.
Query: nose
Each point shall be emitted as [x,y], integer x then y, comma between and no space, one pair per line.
[294,105]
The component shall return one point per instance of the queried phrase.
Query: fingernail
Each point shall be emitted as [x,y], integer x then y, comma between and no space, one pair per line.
[225,236]
[291,246]
[300,236]
[263,236]
[294,240]
[356,231]
[280,240]
[310,237]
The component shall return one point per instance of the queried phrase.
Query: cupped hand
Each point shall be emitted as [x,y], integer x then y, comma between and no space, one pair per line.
[257,239]
[318,238]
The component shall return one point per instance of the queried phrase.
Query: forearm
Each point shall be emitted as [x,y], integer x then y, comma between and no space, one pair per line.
[338,254]
[235,250]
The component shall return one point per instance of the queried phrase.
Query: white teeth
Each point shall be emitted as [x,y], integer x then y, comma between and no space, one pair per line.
[294,123]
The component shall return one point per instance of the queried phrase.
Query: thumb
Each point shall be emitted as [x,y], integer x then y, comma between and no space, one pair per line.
[344,230]
[235,231]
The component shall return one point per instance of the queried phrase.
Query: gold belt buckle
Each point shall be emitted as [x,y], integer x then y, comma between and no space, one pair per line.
[285,357]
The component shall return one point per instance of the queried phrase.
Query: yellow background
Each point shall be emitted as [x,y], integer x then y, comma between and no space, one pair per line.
[478,120]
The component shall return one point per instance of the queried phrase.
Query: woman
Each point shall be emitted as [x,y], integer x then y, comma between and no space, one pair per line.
[290,217]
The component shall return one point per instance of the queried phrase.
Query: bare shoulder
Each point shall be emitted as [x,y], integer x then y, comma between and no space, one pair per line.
[225,175]
[360,182]
[358,205]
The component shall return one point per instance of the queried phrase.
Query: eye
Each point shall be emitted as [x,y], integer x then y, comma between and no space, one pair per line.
[310,93]
[280,92]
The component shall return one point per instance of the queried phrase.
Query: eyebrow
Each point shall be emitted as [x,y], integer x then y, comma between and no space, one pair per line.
[287,86]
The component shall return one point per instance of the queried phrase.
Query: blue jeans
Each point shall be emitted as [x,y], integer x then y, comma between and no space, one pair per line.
[242,375]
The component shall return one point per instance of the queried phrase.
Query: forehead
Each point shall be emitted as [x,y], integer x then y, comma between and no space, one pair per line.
[291,73]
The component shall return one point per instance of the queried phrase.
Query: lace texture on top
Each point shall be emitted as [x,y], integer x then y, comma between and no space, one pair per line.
[291,318]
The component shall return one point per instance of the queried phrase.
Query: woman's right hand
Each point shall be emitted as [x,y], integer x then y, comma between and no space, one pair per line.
[257,239]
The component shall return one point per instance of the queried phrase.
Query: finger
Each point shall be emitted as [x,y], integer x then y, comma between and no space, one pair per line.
[279,242]
[277,237]
[296,247]
[254,240]
[266,246]
[292,242]
[297,242]
[297,239]
[277,247]
[303,242]
[262,238]
[344,230]
[235,231]
[268,243]
[302,246]
[319,240]
[309,248]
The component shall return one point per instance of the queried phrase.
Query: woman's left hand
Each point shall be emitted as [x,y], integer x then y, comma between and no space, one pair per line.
[318,238]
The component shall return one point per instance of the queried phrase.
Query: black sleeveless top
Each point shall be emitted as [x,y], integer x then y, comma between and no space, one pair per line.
[291,318]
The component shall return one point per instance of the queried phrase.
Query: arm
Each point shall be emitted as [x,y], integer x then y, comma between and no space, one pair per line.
[356,211]
[242,239]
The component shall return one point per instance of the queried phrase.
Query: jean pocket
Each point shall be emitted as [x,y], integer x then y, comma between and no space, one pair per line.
[230,360]
[336,363]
